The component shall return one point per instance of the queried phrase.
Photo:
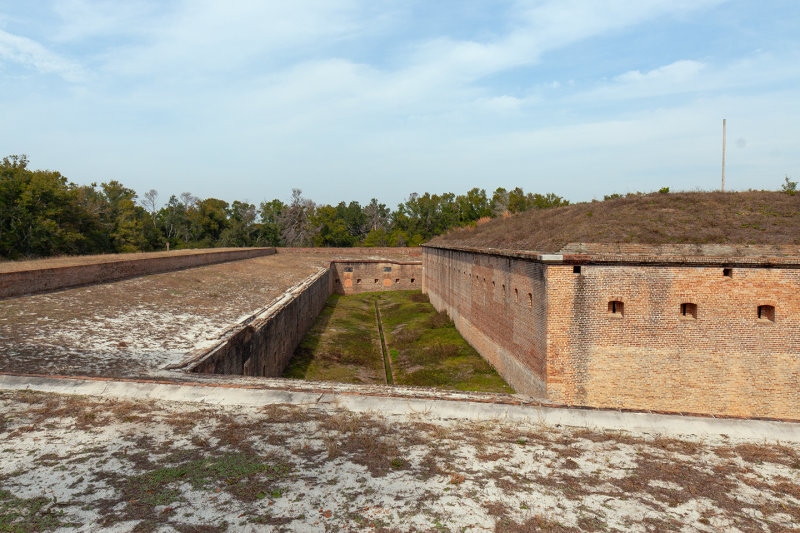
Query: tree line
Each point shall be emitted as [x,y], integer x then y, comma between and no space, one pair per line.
[42,213]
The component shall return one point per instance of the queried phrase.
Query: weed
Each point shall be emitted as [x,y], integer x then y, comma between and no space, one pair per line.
[29,514]
[238,473]
[456,479]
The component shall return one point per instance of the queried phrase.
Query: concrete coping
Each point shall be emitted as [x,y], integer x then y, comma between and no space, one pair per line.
[653,259]
[402,400]
[387,261]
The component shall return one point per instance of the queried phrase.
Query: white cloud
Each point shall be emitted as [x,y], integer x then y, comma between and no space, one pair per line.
[692,76]
[214,37]
[677,72]
[32,54]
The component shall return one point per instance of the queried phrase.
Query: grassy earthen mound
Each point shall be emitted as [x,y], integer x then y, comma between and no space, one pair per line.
[753,217]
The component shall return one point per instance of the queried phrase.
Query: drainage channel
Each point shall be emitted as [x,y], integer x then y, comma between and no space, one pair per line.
[387,364]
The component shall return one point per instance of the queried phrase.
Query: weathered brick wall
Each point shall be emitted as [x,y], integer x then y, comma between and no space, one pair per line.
[50,279]
[265,345]
[355,277]
[498,305]
[565,345]
[724,361]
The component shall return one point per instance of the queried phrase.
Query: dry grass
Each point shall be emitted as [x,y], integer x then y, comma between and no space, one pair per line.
[753,217]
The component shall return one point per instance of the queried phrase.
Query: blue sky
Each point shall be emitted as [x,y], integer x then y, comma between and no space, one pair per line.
[350,99]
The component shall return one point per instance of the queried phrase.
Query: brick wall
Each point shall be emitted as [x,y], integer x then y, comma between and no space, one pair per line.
[651,356]
[499,306]
[564,344]
[50,279]
[264,346]
[355,277]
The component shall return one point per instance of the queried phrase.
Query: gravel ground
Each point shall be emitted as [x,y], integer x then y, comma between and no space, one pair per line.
[78,463]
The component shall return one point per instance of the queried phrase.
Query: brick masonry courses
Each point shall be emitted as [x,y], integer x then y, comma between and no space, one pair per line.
[549,332]
[356,277]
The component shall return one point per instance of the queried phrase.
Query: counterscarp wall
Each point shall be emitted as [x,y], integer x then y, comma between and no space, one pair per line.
[50,279]
[264,345]
[414,253]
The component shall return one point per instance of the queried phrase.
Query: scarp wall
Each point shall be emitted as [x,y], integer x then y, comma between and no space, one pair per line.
[683,336]
[499,305]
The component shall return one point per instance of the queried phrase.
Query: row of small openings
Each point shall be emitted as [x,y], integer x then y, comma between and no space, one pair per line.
[396,280]
[516,291]
[727,272]
[689,310]
[350,269]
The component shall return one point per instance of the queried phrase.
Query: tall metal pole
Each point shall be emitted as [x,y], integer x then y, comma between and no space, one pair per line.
[723,155]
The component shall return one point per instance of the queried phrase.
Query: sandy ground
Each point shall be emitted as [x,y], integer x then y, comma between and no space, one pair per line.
[77,463]
[137,326]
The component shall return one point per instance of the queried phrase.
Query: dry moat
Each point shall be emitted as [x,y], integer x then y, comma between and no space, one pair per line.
[390,337]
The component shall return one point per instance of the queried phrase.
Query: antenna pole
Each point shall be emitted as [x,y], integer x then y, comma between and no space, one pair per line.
[723,155]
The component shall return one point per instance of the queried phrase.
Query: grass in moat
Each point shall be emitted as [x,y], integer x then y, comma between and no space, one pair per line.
[424,347]
[342,344]
[426,350]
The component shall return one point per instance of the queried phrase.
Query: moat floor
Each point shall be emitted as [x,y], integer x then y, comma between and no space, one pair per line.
[422,347]
[85,464]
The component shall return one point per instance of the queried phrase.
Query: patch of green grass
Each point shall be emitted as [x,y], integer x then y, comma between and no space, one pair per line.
[242,474]
[427,350]
[424,347]
[28,514]
[342,344]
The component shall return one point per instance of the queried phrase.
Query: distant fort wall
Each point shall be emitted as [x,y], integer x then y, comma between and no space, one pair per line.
[35,280]
[654,332]
[356,277]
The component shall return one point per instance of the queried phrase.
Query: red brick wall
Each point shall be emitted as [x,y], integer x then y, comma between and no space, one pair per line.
[565,345]
[498,305]
[725,361]
[371,276]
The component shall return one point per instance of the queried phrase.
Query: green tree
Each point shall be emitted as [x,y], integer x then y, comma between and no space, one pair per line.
[123,218]
[270,229]
[209,220]
[241,229]
[41,213]
[472,206]
[331,228]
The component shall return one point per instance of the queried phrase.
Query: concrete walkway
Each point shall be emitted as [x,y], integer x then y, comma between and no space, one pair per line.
[444,408]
